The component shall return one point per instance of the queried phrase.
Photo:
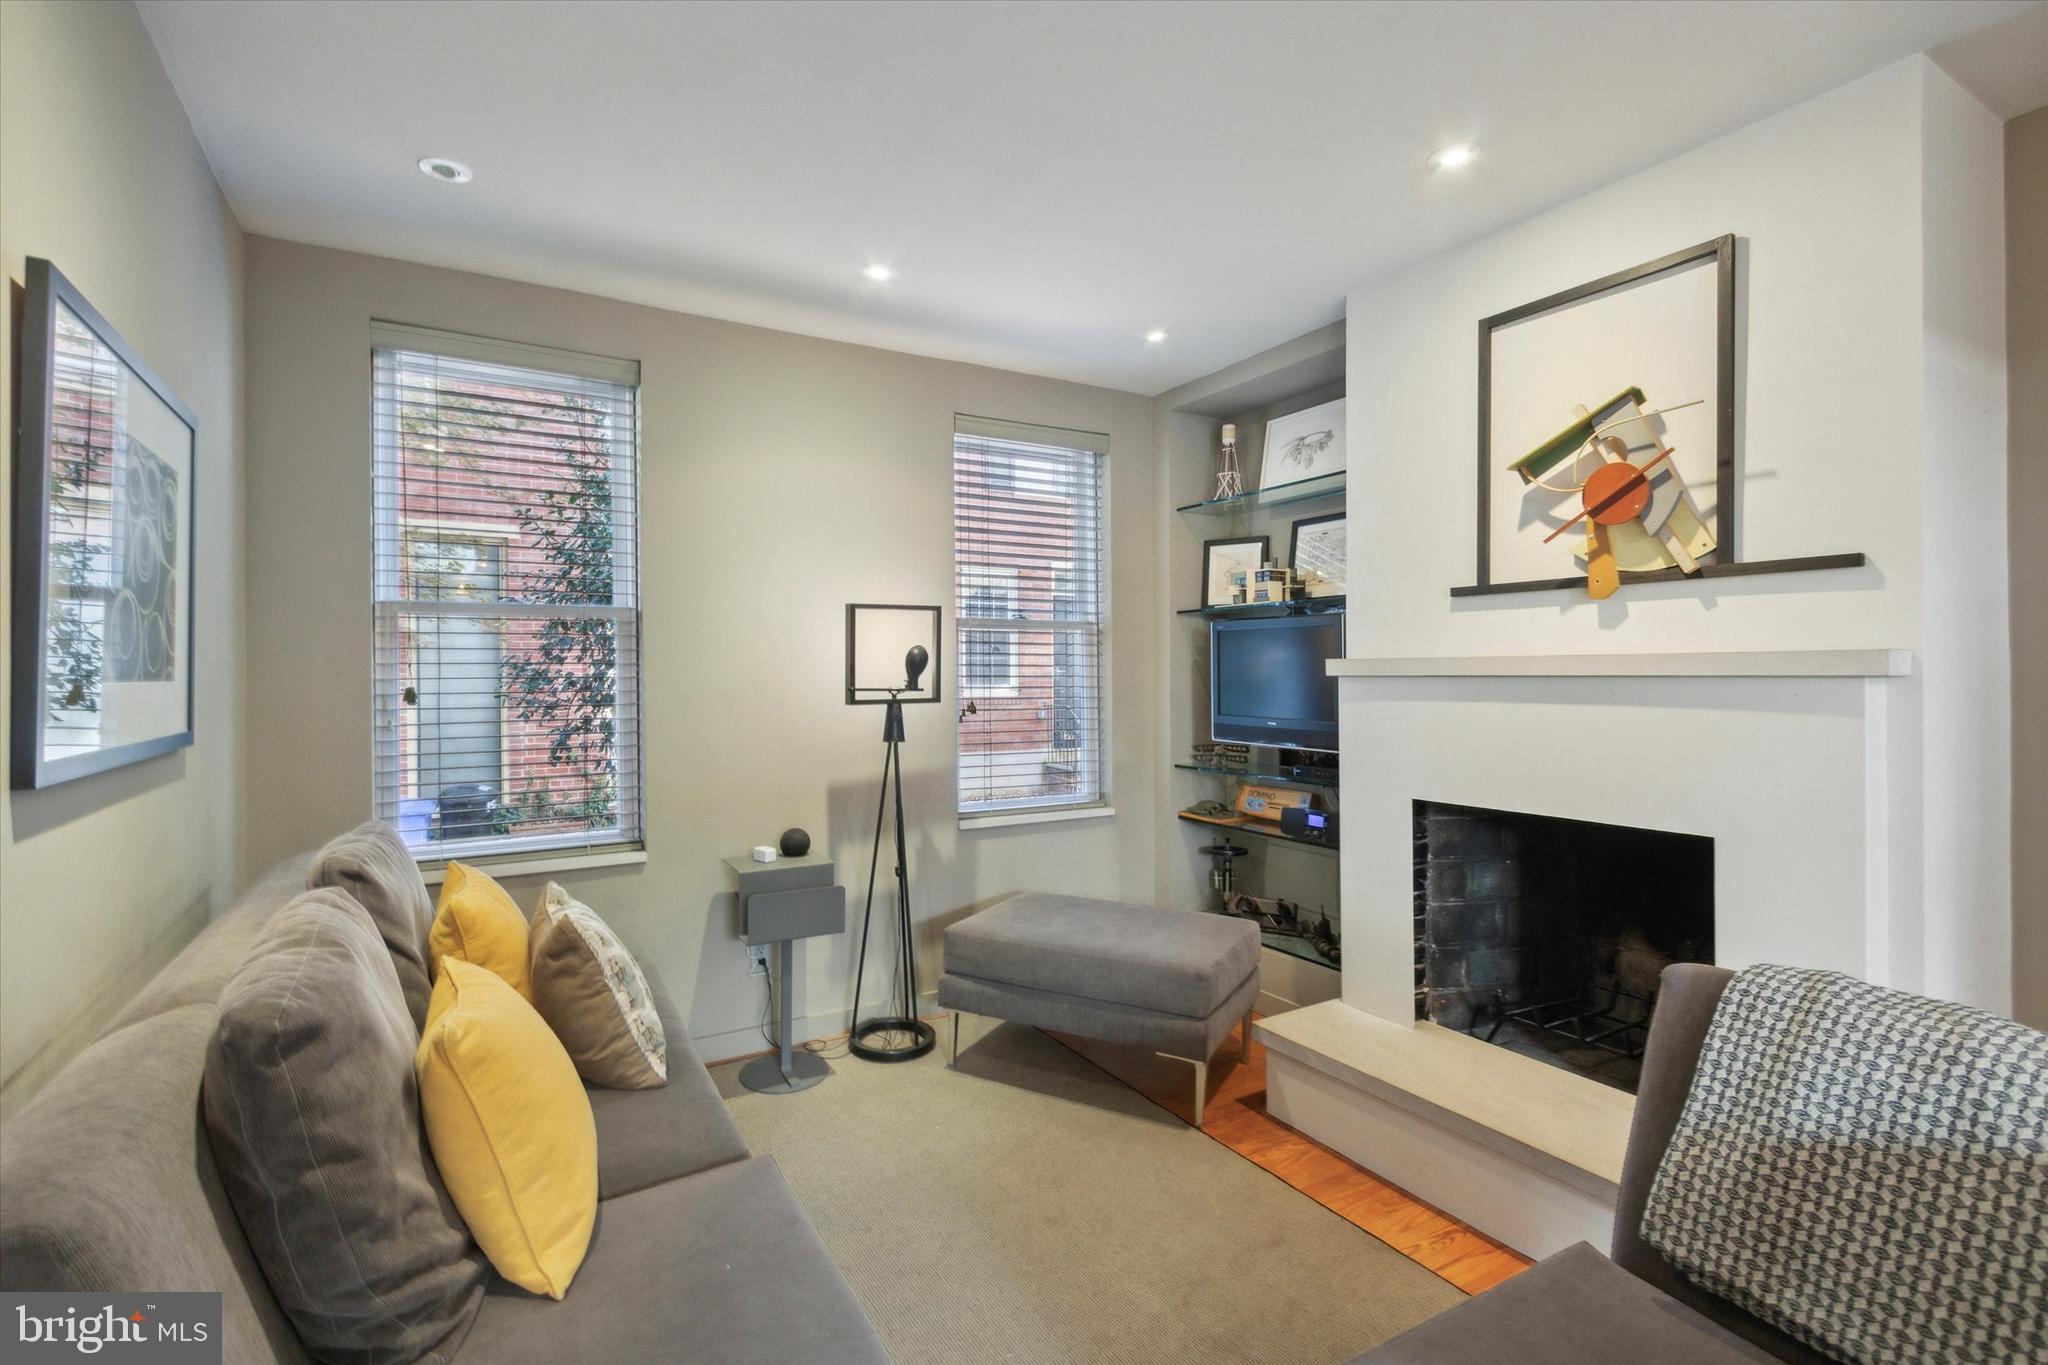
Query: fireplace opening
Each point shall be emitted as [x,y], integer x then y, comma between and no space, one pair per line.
[1546,936]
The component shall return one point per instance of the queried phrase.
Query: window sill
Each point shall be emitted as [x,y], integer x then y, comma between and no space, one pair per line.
[534,864]
[1003,819]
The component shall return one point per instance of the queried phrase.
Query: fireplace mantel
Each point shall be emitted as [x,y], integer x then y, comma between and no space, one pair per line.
[1772,663]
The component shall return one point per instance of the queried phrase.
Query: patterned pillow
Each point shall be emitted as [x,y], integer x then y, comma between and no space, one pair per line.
[594,996]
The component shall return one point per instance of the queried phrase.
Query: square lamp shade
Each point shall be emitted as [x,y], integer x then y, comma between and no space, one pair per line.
[878,637]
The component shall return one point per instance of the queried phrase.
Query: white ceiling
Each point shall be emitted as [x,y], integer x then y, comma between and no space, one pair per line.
[1051,180]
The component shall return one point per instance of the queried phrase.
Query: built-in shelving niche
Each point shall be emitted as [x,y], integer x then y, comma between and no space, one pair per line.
[1299,374]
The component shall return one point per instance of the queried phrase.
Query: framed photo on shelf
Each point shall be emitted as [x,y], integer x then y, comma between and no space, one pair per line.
[103,508]
[1316,544]
[1303,445]
[1223,561]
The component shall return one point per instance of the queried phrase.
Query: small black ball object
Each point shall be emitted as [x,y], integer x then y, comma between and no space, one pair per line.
[795,843]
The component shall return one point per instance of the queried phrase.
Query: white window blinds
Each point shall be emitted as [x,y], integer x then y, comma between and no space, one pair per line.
[506,563]
[1030,562]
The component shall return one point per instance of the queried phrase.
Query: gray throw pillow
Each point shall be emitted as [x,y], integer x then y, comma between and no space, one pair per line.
[313,1111]
[372,864]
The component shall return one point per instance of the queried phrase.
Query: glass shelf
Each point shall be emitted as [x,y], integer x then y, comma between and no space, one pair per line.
[1296,947]
[1328,485]
[1252,775]
[1297,606]
[1257,830]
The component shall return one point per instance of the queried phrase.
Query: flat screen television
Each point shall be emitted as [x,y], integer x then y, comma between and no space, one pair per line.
[1267,683]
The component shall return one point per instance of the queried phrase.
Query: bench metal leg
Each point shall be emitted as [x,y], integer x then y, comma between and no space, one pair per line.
[1244,1044]
[956,1035]
[1201,1081]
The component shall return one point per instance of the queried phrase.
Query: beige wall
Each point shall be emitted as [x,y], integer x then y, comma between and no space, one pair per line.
[783,477]
[102,878]
[2026,321]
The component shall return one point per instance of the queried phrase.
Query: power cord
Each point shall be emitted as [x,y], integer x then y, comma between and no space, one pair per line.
[817,1047]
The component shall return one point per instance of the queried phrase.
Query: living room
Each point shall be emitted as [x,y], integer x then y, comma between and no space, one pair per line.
[687,682]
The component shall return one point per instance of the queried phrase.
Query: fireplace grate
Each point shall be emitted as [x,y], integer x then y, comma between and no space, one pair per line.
[1578,1018]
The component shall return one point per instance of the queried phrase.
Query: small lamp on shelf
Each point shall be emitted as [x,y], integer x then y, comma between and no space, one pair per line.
[1229,483]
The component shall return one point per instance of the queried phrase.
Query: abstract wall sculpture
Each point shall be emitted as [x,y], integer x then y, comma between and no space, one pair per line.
[1617,487]
[1607,434]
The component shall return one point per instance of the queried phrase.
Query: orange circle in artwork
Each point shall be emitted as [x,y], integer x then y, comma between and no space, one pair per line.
[1600,486]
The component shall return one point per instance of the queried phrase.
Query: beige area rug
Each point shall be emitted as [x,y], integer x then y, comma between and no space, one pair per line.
[1029,1207]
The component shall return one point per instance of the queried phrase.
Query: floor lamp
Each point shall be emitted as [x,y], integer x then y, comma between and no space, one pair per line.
[876,637]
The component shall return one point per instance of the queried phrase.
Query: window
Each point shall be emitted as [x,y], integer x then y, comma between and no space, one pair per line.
[1030,559]
[988,658]
[506,596]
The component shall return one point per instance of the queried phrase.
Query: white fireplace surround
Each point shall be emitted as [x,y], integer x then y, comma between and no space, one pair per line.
[1797,763]
[1781,757]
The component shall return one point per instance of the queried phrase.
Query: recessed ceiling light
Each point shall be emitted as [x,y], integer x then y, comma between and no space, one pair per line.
[1155,336]
[441,168]
[1452,157]
[879,273]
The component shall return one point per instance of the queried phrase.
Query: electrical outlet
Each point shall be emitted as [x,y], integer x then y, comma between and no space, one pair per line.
[757,959]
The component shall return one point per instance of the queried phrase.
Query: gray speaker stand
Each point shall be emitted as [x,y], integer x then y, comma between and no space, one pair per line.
[787,1071]
[781,902]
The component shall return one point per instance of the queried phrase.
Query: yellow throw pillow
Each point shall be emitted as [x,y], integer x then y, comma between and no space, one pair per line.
[510,1127]
[477,922]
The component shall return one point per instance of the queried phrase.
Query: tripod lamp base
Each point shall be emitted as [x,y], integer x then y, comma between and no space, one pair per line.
[892,1040]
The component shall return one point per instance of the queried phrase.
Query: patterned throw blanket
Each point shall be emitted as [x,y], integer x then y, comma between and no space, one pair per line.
[1866,1170]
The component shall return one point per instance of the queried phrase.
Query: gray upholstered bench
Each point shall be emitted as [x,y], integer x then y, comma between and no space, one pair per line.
[1171,980]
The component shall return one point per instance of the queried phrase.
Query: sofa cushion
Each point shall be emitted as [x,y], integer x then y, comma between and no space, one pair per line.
[1576,1308]
[594,995]
[108,1182]
[510,1127]
[372,864]
[1173,961]
[720,1266]
[312,1110]
[647,1136]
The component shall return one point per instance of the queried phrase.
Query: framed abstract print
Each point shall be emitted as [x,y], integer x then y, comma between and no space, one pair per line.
[102,576]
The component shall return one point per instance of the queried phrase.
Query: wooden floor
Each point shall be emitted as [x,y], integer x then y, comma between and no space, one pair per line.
[1236,1117]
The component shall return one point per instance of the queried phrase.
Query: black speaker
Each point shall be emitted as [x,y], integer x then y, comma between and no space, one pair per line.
[1314,826]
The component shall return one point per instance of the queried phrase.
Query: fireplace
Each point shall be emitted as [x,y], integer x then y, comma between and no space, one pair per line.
[1547,936]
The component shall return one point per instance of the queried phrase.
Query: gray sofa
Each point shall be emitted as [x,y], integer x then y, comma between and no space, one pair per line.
[108,1183]
[1582,1308]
